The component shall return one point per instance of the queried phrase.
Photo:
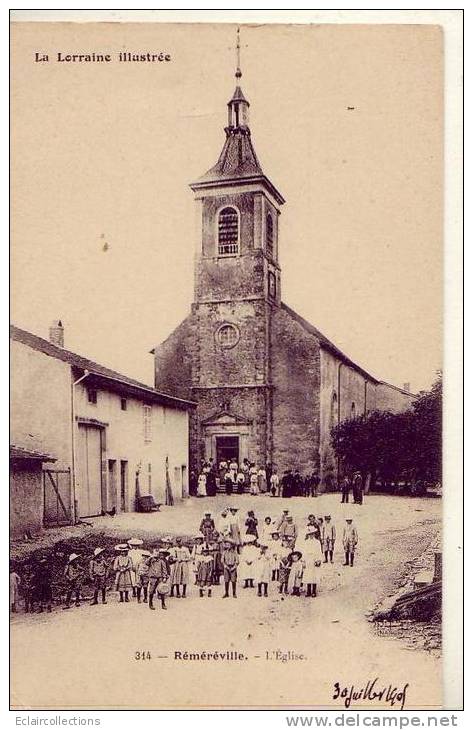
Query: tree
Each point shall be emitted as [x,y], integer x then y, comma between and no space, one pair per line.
[395,447]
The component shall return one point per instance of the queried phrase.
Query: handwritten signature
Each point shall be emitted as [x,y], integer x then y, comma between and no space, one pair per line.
[371,691]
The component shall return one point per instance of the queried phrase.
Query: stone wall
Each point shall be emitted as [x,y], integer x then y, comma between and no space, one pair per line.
[173,361]
[26,498]
[390,398]
[295,381]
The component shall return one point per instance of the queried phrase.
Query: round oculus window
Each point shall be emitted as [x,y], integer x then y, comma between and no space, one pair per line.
[227,335]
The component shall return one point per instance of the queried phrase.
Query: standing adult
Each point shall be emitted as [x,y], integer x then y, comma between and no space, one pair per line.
[202,485]
[314,484]
[329,537]
[235,529]
[275,484]
[358,488]
[233,470]
[211,484]
[262,483]
[345,489]
[269,471]
[229,482]
[288,531]
[350,541]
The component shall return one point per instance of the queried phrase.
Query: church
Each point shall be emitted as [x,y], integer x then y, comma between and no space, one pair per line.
[269,386]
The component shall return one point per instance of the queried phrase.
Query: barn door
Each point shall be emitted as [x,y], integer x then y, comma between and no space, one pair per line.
[89,472]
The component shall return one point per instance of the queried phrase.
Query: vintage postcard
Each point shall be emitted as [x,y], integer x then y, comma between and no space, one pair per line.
[226,351]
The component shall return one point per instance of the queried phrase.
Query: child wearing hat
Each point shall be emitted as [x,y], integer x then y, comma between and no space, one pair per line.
[123,568]
[142,576]
[249,556]
[251,524]
[207,526]
[312,560]
[263,570]
[74,574]
[274,550]
[134,553]
[284,567]
[267,529]
[98,573]
[205,572]
[296,572]
[230,560]
[180,558]
[43,580]
[196,553]
[158,575]
[329,535]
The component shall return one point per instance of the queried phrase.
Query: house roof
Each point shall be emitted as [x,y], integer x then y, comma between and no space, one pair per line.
[327,344]
[17,452]
[101,375]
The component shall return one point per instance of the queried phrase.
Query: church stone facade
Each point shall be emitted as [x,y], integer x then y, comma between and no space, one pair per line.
[269,386]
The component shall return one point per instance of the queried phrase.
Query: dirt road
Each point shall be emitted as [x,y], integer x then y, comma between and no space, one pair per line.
[290,651]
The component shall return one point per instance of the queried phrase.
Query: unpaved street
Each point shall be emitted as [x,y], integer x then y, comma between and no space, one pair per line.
[86,656]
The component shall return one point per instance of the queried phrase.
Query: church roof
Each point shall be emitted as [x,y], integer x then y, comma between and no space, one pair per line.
[328,345]
[237,159]
[238,95]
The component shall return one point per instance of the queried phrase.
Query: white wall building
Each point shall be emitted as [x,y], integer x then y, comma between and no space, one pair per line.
[110,435]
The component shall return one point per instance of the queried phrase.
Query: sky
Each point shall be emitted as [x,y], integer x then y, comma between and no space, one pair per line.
[103,231]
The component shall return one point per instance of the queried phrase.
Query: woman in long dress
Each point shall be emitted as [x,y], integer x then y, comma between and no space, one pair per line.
[180,558]
[296,571]
[248,558]
[262,484]
[123,568]
[204,578]
[312,553]
[202,485]
[263,571]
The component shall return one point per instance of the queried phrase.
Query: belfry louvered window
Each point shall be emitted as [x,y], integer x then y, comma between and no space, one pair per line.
[228,234]
[269,235]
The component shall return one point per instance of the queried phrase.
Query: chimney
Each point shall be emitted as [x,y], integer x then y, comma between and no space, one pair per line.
[56,333]
[407,386]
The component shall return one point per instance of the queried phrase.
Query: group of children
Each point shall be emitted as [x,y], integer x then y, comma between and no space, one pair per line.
[257,555]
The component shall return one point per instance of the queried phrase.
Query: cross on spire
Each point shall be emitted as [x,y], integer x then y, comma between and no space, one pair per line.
[238,73]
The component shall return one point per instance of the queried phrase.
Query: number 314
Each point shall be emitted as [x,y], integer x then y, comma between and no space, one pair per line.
[142,655]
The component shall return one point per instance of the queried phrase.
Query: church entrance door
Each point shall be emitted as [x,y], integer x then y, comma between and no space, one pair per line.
[228,448]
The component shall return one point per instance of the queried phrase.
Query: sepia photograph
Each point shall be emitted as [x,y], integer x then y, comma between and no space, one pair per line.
[226,467]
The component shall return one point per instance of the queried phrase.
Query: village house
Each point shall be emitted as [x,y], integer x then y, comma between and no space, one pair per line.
[87,440]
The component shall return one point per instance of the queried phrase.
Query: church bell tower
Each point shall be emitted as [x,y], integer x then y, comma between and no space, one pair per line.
[236,287]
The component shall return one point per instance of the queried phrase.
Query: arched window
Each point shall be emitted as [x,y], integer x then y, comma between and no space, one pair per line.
[333,411]
[271,285]
[269,235]
[228,233]
[353,411]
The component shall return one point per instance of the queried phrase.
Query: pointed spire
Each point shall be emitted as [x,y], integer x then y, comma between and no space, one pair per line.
[238,105]
[238,160]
